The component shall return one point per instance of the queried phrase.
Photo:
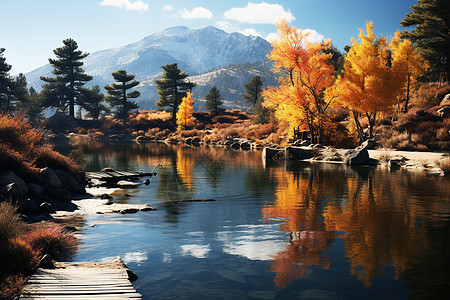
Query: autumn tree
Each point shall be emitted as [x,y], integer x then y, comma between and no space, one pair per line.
[369,86]
[430,20]
[298,98]
[407,62]
[172,87]
[185,112]
[213,99]
[64,89]
[118,95]
[253,90]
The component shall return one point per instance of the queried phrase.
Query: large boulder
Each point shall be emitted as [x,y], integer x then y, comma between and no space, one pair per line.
[18,189]
[35,189]
[369,144]
[67,181]
[50,178]
[269,153]
[299,153]
[60,122]
[61,195]
[357,156]
[29,206]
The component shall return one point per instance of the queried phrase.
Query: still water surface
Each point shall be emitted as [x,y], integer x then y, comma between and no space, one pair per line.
[287,230]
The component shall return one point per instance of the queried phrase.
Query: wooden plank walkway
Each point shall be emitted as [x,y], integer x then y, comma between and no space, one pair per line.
[81,281]
[114,176]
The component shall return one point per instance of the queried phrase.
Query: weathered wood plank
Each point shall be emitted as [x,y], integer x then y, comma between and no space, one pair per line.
[81,281]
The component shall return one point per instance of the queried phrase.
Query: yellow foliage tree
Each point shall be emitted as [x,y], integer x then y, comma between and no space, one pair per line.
[298,98]
[407,62]
[369,84]
[185,111]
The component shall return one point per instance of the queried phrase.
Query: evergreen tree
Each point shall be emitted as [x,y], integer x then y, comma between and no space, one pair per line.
[92,100]
[5,82]
[33,107]
[172,87]
[431,33]
[213,99]
[117,94]
[65,88]
[253,90]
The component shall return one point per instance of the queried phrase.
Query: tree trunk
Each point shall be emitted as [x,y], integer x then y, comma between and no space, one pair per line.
[407,94]
[124,96]
[358,125]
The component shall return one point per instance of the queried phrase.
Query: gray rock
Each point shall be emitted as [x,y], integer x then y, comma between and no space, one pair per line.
[369,144]
[393,164]
[35,189]
[60,139]
[12,190]
[269,153]
[50,178]
[245,145]
[196,141]
[20,188]
[70,229]
[444,111]
[67,181]
[61,195]
[357,156]
[46,262]
[318,146]
[142,139]
[60,122]
[147,207]
[129,211]
[28,206]
[236,146]
[47,207]
[299,153]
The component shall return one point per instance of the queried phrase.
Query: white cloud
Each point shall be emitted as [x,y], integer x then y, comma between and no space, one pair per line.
[135,257]
[196,13]
[127,4]
[313,37]
[228,27]
[168,7]
[259,13]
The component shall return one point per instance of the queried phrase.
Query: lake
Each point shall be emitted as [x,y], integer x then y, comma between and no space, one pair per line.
[283,230]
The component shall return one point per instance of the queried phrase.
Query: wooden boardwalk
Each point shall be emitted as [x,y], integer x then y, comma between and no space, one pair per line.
[114,176]
[81,281]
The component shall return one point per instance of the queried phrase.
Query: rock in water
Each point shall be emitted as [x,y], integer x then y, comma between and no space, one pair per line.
[269,153]
[299,153]
[357,156]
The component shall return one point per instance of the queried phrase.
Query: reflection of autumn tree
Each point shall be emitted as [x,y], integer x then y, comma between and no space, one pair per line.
[298,200]
[380,226]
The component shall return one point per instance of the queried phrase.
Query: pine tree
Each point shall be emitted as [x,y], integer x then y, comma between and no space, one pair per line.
[34,108]
[172,87]
[117,94]
[185,112]
[431,33]
[213,99]
[5,82]
[92,100]
[64,89]
[253,90]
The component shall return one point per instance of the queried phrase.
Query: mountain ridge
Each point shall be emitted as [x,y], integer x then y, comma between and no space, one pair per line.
[197,52]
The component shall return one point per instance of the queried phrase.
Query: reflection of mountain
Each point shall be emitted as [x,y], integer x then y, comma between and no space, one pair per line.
[381,222]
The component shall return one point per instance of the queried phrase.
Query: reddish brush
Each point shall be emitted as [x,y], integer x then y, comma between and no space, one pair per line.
[52,240]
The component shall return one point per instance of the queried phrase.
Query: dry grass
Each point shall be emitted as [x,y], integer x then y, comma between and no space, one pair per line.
[46,157]
[11,286]
[10,225]
[52,240]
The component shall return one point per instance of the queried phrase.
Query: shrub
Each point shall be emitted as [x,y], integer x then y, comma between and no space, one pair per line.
[11,286]
[10,224]
[52,240]
[10,159]
[21,256]
[46,157]
[18,134]
[445,165]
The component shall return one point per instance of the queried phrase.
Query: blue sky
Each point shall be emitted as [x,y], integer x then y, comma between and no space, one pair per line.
[31,29]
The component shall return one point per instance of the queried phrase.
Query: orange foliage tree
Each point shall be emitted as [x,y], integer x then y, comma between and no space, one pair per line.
[185,111]
[407,62]
[298,98]
[369,85]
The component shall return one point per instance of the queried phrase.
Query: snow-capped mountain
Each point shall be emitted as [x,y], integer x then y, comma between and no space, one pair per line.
[197,51]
